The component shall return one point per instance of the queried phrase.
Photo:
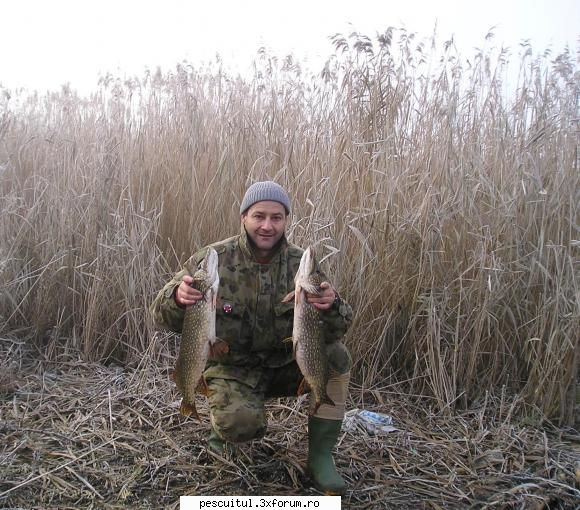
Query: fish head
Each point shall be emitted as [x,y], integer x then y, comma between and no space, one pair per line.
[211,267]
[207,277]
[307,262]
[308,277]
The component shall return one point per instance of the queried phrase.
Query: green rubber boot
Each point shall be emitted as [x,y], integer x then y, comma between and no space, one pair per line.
[215,443]
[322,437]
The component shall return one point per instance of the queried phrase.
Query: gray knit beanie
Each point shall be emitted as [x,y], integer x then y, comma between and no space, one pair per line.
[265,190]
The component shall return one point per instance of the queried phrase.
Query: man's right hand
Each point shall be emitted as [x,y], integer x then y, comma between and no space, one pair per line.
[186,295]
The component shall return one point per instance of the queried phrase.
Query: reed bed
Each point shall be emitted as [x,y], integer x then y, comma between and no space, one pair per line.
[84,435]
[445,200]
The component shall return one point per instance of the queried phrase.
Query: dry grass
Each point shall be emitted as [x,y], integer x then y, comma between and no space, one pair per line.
[81,435]
[451,205]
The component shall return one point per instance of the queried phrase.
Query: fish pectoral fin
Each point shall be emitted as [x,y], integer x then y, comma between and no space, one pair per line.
[218,347]
[289,297]
[315,290]
[288,340]
[303,387]
[202,387]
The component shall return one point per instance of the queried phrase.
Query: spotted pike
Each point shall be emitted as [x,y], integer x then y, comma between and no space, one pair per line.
[198,335]
[307,333]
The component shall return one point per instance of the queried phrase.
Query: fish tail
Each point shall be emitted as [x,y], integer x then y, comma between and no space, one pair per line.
[327,400]
[188,409]
[324,399]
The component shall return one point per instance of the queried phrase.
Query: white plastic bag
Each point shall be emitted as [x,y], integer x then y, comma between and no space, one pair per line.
[368,421]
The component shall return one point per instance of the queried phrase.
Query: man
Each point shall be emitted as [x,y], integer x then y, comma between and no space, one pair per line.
[256,270]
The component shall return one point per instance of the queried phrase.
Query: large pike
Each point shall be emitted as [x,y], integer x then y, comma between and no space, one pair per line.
[198,335]
[307,333]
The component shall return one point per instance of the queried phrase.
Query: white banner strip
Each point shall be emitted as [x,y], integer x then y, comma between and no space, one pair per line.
[212,502]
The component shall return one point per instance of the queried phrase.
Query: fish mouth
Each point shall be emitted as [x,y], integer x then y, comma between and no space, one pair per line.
[210,266]
[307,262]
[305,270]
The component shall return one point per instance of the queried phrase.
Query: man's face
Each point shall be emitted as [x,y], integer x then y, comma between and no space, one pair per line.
[265,223]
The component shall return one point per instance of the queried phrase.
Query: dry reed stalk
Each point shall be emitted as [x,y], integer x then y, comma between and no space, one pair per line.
[450,206]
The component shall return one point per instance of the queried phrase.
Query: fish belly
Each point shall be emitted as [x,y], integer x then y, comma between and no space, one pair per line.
[193,354]
[311,353]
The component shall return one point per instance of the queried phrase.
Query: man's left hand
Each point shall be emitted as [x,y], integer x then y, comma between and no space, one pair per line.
[325,299]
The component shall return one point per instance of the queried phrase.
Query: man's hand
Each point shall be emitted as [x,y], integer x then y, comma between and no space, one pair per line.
[325,299]
[186,295]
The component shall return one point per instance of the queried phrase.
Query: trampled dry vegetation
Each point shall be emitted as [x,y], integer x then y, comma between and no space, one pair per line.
[448,204]
[83,435]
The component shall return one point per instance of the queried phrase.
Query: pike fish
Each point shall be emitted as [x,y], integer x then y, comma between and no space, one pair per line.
[198,339]
[307,333]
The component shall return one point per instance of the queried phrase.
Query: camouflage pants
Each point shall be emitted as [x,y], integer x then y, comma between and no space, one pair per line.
[237,408]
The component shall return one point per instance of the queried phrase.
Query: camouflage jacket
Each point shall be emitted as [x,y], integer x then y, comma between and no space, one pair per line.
[250,314]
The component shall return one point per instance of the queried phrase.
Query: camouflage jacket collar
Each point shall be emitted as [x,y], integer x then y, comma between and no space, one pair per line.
[246,246]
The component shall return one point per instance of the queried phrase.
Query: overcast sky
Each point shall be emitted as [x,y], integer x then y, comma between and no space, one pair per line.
[47,43]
